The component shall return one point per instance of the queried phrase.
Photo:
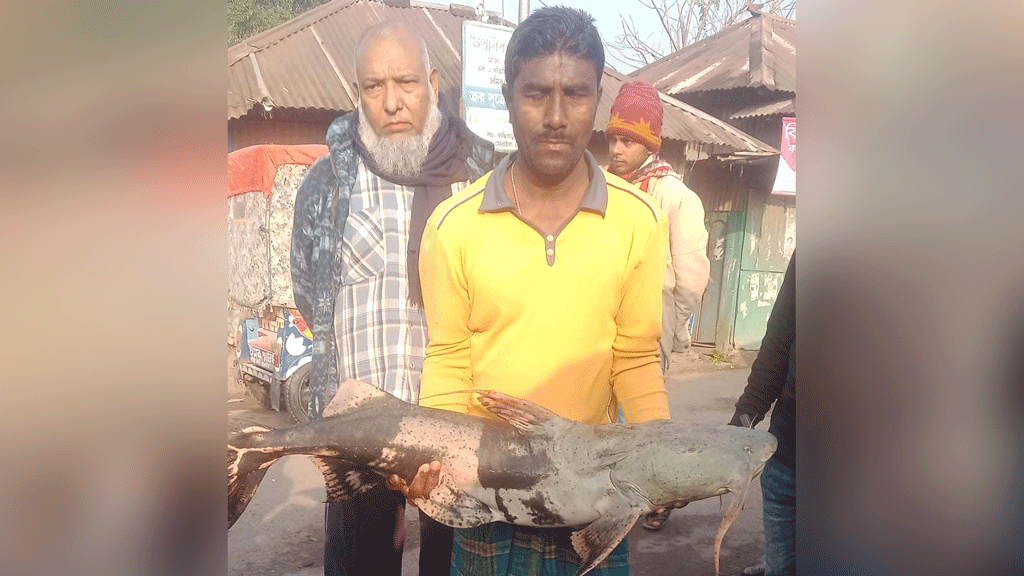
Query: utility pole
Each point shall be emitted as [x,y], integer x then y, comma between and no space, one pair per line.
[524,10]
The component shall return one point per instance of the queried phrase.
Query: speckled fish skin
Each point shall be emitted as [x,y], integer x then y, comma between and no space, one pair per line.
[531,467]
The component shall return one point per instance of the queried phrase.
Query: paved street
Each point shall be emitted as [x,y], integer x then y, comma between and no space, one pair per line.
[281,532]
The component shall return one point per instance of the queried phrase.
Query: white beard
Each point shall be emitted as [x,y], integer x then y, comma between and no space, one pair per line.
[401,157]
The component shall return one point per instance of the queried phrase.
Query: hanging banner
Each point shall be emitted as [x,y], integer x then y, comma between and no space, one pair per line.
[785,178]
[483,73]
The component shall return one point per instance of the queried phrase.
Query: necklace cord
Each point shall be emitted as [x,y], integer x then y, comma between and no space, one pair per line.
[515,193]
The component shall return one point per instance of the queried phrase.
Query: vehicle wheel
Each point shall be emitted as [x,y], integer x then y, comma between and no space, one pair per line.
[296,394]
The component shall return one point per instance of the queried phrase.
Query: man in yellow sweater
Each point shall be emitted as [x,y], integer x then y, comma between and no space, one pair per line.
[543,279]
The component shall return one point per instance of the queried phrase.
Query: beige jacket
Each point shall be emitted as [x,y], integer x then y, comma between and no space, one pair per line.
[688,264]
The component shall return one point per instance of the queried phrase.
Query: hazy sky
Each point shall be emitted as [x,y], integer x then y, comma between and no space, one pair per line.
[604,11]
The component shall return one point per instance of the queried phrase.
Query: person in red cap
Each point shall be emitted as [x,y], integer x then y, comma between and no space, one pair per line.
[634,139]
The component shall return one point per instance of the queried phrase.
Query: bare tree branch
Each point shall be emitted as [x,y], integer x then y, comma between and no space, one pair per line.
[735,16]
[684,22]
[630,48]
[685,29]
[663,17]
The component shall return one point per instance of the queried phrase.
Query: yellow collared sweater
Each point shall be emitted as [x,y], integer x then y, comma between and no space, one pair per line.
[576,335]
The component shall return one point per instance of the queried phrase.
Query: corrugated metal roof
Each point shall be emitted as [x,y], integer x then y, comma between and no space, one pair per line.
[758,52]
[306,63]
[263,68]
[787,106]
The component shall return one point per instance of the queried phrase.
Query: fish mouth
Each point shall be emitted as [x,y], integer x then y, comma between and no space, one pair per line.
[760,468]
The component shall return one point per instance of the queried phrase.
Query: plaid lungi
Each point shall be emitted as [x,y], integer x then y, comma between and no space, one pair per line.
[500,549]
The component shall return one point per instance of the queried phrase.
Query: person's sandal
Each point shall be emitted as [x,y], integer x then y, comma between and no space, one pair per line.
[656,520]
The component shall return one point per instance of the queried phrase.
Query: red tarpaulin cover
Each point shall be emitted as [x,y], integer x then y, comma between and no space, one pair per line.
[254,167]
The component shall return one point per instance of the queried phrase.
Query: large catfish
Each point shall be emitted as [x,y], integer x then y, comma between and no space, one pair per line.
[529,467]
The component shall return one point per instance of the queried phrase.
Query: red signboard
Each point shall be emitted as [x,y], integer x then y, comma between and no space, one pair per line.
[785,178]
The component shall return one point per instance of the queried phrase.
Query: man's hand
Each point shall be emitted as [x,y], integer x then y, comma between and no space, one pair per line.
[427,478]
[743,420]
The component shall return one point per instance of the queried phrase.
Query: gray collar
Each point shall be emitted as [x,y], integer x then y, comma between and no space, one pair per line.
[496,200]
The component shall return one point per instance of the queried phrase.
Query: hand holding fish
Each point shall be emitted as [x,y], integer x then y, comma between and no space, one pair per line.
[427,478]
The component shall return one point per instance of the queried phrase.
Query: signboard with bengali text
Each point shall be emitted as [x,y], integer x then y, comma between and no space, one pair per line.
[483,73]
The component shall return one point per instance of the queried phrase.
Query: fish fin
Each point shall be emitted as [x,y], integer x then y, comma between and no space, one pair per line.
[246,468]
[522,414]
[595,542]
[343,480]
[351,395]
[735,505]
[453,507]
[628,488]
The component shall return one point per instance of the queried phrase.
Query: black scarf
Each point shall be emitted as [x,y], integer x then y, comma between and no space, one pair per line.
[445,164]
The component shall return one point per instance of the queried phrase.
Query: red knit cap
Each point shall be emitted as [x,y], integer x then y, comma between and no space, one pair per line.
[636,114]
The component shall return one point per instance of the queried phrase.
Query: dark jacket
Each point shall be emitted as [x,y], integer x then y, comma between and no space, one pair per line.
[321,208]
[773,374]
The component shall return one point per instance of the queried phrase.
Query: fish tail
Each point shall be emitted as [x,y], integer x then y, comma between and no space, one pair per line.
[246,468]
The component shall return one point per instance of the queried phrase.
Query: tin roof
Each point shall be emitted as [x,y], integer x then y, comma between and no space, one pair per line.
[758,52]
[784,106]
[262,69]
[306,63]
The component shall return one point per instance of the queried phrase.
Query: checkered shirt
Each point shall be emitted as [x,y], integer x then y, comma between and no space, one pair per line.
[381,335]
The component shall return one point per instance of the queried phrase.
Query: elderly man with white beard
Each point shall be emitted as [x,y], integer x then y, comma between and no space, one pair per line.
[359,218]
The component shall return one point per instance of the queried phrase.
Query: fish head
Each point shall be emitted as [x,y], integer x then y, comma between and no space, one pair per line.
[765,447]
[685,464]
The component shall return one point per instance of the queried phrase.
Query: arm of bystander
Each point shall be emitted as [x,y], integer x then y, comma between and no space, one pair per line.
[318,185]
